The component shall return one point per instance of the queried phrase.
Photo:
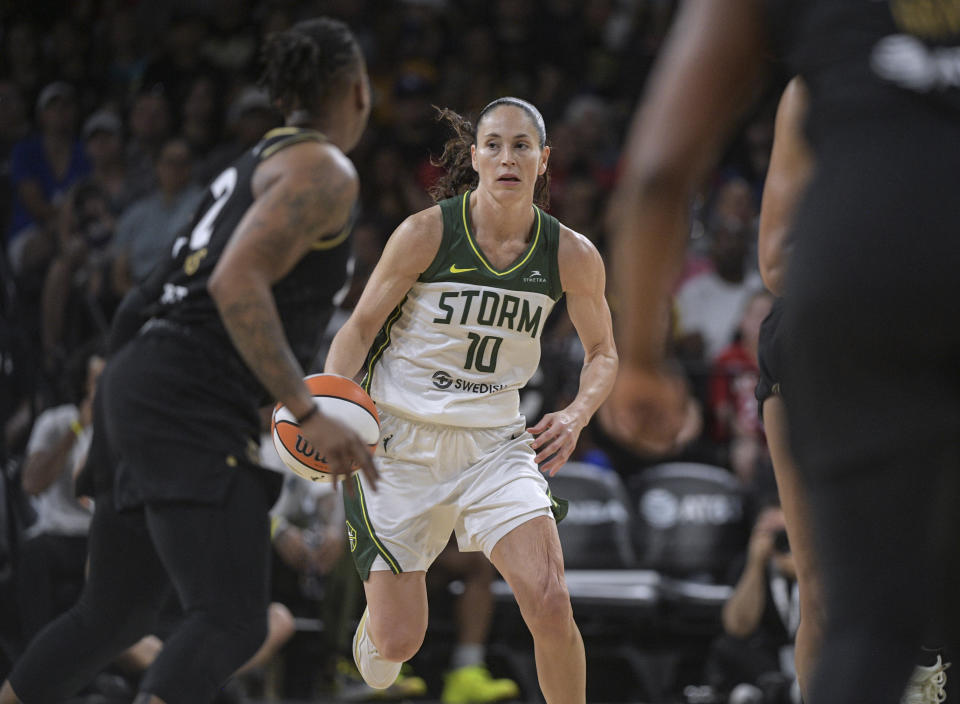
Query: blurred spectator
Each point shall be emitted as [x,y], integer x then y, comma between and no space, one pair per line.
[202,127]
[313,575]
[710,304]
[760,619]
[124,62]
[43,167]
[147,229]
[249,117]
[180,60]
[734,206]
[51,566]
[67,47]
[16,387]
[78,298]
[390,189]
[103,138]
[231,45]
[13,128]
[733,403]
[13,120]
[22,57]
[150,125]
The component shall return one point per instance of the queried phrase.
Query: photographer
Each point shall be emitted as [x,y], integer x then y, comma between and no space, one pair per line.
[753,659]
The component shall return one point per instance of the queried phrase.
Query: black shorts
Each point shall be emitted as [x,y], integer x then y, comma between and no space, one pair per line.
[179,421]
[770,354]
[873,300]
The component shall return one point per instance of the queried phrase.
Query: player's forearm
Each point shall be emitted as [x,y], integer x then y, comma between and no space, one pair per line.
[250,316]
[742,613]
[348,351]
[596,381]
[42,468]
[648,251]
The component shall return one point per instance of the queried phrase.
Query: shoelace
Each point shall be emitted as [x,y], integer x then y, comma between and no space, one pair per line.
[927,684]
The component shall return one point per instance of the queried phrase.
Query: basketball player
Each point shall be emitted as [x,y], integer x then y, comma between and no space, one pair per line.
[232,318]
[871,296]
[791,165]
[451,318]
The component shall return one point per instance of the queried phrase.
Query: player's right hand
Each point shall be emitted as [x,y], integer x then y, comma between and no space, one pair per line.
[646,409]
[341,447]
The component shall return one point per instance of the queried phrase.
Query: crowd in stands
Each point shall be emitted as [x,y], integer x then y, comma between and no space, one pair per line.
[114,114]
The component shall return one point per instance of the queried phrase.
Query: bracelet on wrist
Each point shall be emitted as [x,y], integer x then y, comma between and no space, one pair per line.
[309,414]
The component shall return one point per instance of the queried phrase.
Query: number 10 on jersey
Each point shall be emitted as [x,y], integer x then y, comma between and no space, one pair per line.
[482,353]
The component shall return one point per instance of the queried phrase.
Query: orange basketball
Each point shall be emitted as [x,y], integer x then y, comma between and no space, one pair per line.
[337,397]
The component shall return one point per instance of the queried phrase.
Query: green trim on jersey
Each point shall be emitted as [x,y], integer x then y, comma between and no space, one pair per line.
[364,544]
[381,343]
[459,260]
[476,250]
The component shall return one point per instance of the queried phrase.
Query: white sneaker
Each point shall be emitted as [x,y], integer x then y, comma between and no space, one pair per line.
[377,671]
[927,684]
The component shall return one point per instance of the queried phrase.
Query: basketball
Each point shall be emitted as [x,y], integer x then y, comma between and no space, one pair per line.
[337,397]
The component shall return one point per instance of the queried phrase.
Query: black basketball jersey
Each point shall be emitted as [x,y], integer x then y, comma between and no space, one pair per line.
[871,61]
[304,297]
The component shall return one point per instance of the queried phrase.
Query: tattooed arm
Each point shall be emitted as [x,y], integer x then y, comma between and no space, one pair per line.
[301,194]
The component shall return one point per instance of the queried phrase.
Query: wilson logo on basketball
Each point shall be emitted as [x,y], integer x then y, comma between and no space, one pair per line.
[305,449]
[336,397]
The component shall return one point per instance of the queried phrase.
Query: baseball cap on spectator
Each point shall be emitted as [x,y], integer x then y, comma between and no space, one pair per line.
[102,121]
[52,91]
[250,98]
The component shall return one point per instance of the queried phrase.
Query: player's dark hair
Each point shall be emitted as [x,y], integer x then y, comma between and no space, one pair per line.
[304,64]
[459,175]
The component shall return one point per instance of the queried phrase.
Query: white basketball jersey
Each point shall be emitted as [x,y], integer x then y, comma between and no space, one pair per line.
[466,337]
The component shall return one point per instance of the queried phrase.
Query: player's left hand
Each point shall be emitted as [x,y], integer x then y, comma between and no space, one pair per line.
[555,438]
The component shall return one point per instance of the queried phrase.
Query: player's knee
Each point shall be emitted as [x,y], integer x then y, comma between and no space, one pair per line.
[280,622]
[549,614]
[399,644]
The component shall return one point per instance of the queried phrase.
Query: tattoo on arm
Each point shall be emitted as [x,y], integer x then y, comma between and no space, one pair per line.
[278,233]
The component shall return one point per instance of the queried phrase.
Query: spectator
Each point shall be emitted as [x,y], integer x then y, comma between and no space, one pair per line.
[710,304]
[13,120]
[180,60]
[309,576]
[249,117]
[468,680]
[733,403]
[202,127]
[231,45]
[147,229]
[150,125]
[124,62]
[22,54]
[760,619]
[78,298]
[103,138]
[51,567]
[43,167]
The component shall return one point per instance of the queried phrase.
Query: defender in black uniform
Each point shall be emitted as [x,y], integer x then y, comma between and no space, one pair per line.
[872,296]
[230,320]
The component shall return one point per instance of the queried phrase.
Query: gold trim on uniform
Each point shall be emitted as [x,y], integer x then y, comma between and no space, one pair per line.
[295,136]
[331,241]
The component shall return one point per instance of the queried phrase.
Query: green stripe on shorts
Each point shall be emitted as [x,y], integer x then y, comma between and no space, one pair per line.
[364,544]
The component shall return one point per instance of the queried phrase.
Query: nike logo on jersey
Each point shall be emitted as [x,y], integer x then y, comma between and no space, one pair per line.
[454,269]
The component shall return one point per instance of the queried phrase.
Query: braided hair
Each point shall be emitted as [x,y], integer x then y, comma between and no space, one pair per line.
[306,64]
[459,175]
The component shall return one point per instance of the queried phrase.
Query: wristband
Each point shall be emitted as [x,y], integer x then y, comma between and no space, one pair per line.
[76,427]
[309,414]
